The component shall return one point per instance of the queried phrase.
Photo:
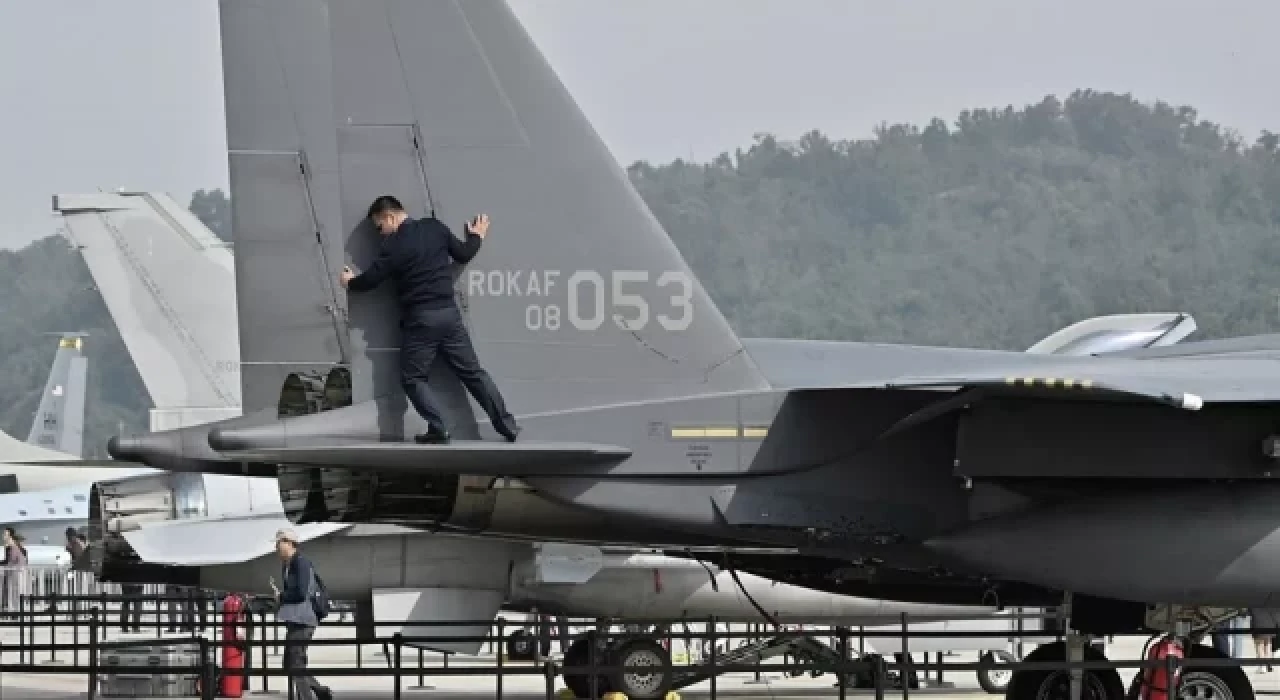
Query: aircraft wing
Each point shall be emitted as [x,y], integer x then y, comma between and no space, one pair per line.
[458,457]
[1186,381]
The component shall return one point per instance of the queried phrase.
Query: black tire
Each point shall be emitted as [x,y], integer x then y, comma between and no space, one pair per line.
[580,683]
[520,646]
[1221,683]
[987,675]
[866,678]
[641,685]
[1098,685]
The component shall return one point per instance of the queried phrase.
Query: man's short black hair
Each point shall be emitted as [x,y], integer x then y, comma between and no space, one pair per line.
[384,204]
[71,533]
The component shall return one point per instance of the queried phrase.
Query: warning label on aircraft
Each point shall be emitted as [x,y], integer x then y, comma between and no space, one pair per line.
[585,299]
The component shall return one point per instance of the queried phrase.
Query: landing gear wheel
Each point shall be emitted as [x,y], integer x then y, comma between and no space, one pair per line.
[991,677]
[1221,683]
[520,646]
[866,678]
[1056,685]
[641,685]
[578,655]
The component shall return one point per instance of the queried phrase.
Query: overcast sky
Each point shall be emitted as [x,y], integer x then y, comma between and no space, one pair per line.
[128,93]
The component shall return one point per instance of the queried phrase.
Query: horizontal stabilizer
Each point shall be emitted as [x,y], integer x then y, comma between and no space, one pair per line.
[72,463]
[222,541]
[459,457]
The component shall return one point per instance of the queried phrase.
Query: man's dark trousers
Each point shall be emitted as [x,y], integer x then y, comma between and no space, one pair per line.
[131,608]
[304,686]
[426,332]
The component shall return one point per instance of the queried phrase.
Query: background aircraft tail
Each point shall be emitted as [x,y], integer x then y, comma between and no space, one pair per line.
[168,283]
[577,298]
[59,420]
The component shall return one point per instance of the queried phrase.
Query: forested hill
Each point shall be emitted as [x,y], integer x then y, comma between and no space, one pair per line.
[989,231]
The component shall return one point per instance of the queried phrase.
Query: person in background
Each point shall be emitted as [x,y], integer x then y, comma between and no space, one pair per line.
[75,546]
[1263,622]
[1223,638]
[15,564]
[131,607]
[180,609]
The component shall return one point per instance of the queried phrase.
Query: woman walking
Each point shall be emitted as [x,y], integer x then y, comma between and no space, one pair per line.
[15,565]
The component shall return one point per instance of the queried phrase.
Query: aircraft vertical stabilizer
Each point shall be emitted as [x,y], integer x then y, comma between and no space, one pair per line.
[284,192]
[577,298]
[168,283]
[59,420]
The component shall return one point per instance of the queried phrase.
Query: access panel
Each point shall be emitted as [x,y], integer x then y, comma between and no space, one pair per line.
[280,258]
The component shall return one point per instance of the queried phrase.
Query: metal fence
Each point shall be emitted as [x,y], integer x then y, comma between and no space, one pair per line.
[65,623]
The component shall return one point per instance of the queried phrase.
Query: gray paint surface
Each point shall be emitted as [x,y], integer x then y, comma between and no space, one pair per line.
[59,420]
[859,459]
[168,283]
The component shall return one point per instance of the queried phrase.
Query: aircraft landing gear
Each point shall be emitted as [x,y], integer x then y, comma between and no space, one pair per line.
[1221,683]
[1056,685]
[636,685]
[991,677]
[521,646]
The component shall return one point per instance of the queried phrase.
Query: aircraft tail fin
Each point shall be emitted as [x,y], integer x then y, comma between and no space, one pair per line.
[59,420]
[169,285]
[577,297]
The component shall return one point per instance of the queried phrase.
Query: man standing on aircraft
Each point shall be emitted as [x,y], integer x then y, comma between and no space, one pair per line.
[296,612]
[416,253]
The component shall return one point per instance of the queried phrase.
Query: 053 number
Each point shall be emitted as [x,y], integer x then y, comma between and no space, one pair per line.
[587,305]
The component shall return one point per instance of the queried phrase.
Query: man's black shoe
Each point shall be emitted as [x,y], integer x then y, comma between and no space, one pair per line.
[433,436]
[512,434]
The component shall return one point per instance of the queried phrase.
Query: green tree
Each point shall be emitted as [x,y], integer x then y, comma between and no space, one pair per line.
[214,209]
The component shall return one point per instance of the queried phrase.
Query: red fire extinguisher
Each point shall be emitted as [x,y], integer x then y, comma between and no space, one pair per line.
[234,620]
[1155,684]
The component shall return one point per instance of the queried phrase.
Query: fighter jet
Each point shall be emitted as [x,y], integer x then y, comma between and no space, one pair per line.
[143,254]
[950,473]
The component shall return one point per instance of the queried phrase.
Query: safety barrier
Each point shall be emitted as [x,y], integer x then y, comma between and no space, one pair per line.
[79,627]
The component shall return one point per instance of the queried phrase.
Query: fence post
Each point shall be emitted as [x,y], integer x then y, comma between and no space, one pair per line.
[23,632]
[502,651]
[264,652]
[53,632]
[715,668]
[549,674]
[593,663]
[93,654]
[904,673]
[206,670]
[422,679]
[75,629]
[842,674]
[396,640]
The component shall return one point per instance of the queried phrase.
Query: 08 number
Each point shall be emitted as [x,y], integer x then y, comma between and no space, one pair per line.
[537,317]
